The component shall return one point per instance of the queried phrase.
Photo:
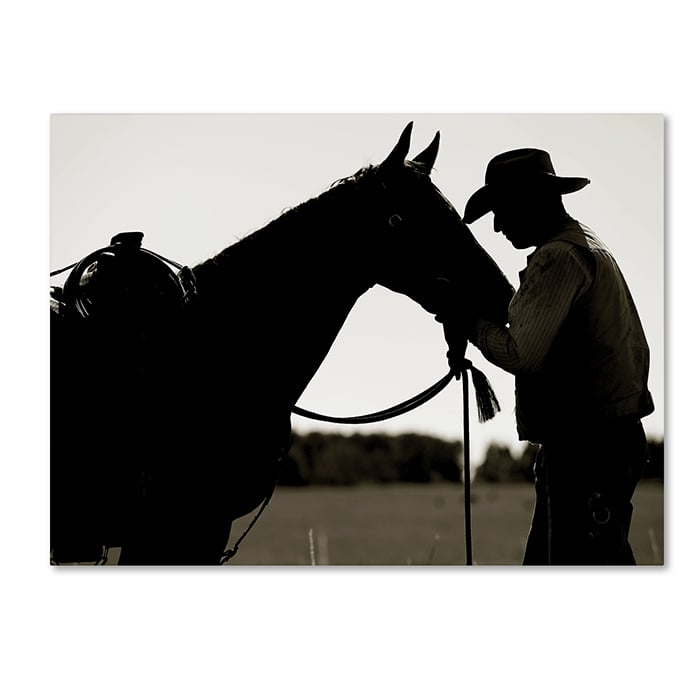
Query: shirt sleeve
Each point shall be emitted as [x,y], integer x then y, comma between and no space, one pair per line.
[553,281]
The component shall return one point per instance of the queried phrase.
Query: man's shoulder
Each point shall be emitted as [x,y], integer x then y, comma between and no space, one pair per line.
[571,250]
[575,240]
[557,248]
[577,234]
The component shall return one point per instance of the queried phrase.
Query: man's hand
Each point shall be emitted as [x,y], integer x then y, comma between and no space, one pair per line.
[457,338]
[457,362]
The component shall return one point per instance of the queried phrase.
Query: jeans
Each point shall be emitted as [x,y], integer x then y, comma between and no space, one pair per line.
[584,481]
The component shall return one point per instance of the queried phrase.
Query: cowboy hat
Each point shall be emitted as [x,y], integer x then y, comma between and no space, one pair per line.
[516,170]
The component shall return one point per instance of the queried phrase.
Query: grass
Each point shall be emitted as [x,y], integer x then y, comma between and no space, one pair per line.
[406,524]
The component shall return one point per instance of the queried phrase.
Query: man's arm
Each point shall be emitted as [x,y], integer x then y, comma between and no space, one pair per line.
[555,279]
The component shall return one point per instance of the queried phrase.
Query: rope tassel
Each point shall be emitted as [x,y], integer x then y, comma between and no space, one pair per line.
[487,405]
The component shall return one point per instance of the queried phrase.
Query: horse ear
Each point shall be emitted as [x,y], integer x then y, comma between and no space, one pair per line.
[426,159]
[400,150]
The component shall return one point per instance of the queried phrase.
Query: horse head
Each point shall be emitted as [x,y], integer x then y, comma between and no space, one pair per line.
[421,246]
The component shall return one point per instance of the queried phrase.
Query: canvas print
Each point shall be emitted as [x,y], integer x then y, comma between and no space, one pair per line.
[357,340]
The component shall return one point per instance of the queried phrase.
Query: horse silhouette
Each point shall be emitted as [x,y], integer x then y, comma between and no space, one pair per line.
[161,438]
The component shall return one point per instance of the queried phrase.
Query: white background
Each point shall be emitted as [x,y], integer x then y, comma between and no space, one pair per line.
[336,633]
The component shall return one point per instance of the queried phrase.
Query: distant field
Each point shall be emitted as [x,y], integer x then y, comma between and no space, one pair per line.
[414,525]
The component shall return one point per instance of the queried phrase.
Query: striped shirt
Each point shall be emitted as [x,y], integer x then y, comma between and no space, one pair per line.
[556,276]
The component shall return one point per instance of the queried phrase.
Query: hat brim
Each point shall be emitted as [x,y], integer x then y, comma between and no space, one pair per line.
[482,201]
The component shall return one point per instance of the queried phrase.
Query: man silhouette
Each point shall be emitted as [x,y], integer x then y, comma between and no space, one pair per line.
[575,343]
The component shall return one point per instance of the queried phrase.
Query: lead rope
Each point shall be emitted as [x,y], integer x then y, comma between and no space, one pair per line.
[467,468]
[487,406]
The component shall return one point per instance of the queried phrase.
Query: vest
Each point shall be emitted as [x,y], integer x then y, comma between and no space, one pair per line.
[598,366]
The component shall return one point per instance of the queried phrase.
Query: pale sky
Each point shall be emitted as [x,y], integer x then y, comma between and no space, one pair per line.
[194,183]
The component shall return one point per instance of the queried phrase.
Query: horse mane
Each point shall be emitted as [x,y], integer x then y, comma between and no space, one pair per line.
[295,228]
[308,222]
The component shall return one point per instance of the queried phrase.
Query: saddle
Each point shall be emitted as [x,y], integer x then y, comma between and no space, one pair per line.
[123,283]
[113,325]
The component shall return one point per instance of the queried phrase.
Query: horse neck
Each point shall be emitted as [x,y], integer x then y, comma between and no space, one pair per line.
[276,301]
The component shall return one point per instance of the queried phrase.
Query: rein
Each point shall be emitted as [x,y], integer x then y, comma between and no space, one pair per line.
[392,412]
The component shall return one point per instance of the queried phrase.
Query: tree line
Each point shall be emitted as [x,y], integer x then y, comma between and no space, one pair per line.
[338,459]
[333,458]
